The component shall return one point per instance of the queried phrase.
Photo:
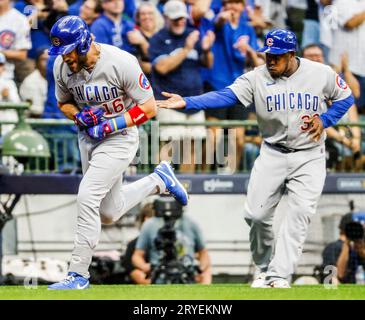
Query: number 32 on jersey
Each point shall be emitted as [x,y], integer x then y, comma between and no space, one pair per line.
[305,126]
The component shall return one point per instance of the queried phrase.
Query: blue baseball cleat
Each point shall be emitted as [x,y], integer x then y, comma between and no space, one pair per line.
[73,281]
[166,173]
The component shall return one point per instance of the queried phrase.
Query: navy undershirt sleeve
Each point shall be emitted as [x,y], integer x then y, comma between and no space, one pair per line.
[336,111]
[224,98]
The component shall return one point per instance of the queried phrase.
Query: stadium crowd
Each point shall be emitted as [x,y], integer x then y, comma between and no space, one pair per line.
[189,47]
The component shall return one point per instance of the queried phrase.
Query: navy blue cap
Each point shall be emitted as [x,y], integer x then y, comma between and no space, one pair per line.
[279,41]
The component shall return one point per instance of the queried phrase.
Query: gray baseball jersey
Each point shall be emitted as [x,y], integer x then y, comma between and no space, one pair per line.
[283,104]
[116,83]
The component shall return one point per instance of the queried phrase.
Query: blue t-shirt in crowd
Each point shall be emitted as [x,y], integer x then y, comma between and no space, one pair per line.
[129,8]
[51,109]
[185,79]
[216,5]
[74,9]
[105,31]
[229,63]
[21,7]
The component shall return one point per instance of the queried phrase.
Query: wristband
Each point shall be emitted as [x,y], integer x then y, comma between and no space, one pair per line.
[137,115]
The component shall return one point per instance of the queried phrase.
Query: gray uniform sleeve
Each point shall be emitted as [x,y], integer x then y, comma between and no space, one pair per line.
[243,88]
[61,90]
[336,88]
[134,82]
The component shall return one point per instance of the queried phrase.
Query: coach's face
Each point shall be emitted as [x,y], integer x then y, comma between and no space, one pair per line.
[278,64]
[74,61]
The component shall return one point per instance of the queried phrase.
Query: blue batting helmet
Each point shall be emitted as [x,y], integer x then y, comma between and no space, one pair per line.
[279,41]
[68,33]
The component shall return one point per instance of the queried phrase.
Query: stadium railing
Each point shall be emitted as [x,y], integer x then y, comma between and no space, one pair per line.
[65,159]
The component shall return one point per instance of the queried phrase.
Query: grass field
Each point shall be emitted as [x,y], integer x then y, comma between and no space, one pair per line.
[186,292]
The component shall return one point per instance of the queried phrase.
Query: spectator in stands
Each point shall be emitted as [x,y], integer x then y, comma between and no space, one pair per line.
[34,87]
[130,8]
[349,37]
[112,27]
[8,93]
[346,140]
[201,15]
[57,10]
[14,36]
[234,47]
[345,254]
[136,275]
[255,16]
[75,7]
[325,26]
[273,13]
[148,22]
[311,24]
[90,10]
[36,11]
[189,243]
[176,55]
[296,13]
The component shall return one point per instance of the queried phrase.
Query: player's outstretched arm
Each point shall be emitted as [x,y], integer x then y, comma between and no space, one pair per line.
[174,101]
[224,98]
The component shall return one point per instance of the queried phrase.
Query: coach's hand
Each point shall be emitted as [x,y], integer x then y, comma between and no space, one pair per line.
[315,128]
[100,131]
[88,117]
[174,101]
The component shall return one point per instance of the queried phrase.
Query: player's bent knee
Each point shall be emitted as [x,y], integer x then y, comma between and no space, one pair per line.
[106,219]
[255,217]
[109,218]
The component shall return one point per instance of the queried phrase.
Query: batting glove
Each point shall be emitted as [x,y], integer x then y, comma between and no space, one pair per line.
[100,131]
[88,117]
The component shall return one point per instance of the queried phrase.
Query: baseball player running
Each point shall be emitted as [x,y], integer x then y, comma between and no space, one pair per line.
[289,94]
[104,90]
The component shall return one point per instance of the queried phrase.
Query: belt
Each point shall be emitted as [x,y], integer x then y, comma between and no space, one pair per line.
[281,148]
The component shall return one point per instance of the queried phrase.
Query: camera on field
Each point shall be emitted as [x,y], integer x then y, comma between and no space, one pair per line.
[171,267]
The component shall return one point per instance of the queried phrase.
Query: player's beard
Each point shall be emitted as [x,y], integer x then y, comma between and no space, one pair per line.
[287,69]
[82,62]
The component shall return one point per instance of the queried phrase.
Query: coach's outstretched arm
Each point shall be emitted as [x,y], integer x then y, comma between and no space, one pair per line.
[224,98]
